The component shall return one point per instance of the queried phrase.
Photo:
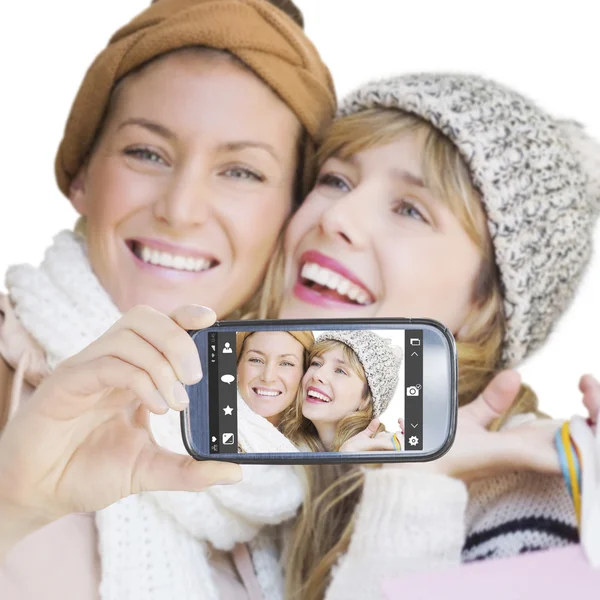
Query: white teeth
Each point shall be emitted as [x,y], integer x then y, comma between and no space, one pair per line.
[179,262]
[318,396]
[266,393]
[343,287]
[334,281]
[164,259]
[322,275]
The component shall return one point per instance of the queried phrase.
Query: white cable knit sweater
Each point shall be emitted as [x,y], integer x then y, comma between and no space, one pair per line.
[155,546]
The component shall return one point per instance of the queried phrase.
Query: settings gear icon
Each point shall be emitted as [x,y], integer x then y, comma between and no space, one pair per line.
[413,440]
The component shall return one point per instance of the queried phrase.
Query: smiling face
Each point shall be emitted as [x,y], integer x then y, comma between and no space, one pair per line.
[373,239]
[333,386]
[269,372]
[189,184]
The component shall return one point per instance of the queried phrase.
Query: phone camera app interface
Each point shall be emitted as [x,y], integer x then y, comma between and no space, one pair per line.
[321,389]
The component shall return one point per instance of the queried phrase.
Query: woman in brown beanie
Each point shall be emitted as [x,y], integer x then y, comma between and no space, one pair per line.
[188,144]
[270,367]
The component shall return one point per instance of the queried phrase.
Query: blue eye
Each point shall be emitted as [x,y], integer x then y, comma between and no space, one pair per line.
[333,181]
[243,173]
[408,209]
[145,154]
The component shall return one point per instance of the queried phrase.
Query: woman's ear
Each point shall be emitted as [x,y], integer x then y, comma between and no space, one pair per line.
[77,194]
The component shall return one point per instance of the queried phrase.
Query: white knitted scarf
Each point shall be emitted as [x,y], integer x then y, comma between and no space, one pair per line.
[155,546]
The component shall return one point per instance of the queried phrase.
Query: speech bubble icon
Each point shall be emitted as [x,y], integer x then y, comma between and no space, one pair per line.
[227,378]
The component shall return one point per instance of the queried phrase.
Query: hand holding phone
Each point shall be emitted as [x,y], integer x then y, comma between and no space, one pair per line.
[343,390]
[82,440]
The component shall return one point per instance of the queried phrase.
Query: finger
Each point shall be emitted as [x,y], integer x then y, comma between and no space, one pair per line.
[372,427]
[128,346]
[590,387]
[161,470]
[401,424]
[168,336]
[105,373]
[495,400]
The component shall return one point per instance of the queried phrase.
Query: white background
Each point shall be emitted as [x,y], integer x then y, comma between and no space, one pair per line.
[549,51]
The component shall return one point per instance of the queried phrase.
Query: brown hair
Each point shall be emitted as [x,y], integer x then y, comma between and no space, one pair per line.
[324,527]
[290,9]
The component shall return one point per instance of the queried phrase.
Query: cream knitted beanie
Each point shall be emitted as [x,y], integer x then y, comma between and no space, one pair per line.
[539,179]
[380,359]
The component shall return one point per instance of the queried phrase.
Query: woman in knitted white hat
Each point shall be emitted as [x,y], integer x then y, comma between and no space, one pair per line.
[454,198]
[351,378]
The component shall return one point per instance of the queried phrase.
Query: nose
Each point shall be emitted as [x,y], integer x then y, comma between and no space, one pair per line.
[319,376]
[186,202]
[347,220]
[268,373]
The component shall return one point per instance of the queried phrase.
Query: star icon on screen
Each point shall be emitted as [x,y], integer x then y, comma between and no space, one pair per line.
[228,410]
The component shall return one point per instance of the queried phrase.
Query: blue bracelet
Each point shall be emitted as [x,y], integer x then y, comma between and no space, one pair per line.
[562,457]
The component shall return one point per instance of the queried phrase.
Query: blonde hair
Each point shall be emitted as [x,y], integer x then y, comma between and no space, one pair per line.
[324,527]
[302,432]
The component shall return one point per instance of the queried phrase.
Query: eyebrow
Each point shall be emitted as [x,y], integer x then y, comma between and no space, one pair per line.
[227,147]
[279,355]
[402,174]
[150,125]
[244,144]
[408,177]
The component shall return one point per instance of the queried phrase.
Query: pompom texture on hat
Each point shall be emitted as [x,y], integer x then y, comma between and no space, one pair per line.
[380,360]
[538,181]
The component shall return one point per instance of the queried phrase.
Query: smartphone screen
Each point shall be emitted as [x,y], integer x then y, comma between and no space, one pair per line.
[364,391]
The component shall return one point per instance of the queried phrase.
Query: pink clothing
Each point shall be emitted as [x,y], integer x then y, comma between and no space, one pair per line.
[61,561]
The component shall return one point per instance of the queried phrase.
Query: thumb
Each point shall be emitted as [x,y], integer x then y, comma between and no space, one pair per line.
[163,470]
[590,388]
[495,400]
[371,429]
[193,316]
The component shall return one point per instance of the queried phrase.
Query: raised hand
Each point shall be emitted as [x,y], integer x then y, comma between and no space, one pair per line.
[478,453]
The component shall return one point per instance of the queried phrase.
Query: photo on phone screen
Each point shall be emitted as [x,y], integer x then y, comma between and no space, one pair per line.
[348,388]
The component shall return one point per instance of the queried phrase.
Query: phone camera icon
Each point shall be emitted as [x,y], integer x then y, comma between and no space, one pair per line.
[228,439]
[413,390]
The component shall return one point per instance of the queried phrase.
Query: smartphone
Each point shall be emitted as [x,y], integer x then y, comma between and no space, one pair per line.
[323,391]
